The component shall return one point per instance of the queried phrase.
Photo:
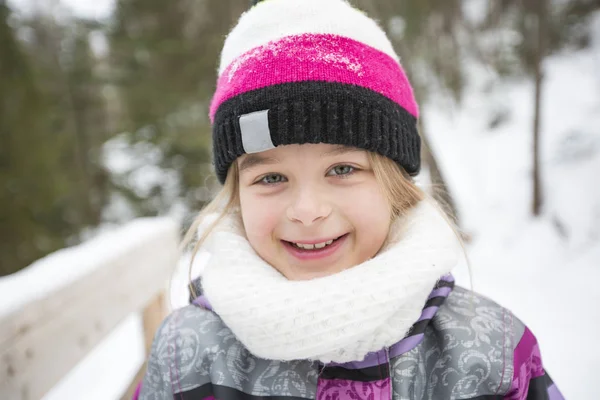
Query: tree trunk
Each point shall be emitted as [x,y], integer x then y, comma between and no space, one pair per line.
[539,58]
[440,191]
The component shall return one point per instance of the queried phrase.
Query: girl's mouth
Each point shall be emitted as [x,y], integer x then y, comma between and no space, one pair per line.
[314,251]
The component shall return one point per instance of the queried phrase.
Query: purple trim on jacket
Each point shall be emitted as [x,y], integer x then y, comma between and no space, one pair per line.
[202,301]
[443,292]
[527,364]
[136,394]
[406,345]
[554,393]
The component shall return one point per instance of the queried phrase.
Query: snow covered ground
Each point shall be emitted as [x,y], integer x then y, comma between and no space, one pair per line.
[544,269]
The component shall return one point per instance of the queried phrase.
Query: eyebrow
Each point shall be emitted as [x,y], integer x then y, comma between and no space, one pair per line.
[253,160]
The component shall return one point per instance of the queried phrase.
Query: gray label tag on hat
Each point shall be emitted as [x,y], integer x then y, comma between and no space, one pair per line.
[256,136]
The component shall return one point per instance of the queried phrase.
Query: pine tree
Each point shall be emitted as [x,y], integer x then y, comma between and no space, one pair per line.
[164,57]
[49,135]
[28,155]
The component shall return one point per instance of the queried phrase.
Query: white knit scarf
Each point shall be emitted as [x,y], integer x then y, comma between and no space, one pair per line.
[337,318]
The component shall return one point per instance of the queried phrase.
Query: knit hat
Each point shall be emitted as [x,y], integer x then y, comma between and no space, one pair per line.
[311,71]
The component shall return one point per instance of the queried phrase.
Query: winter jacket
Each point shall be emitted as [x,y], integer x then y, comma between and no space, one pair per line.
[464,346]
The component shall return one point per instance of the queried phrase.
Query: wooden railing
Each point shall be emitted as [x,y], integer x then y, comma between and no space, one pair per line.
[44,339]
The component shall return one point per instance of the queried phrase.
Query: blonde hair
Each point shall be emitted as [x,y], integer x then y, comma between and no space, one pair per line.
[399,188]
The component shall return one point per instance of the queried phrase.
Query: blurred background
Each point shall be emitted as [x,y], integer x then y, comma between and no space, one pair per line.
[103,120]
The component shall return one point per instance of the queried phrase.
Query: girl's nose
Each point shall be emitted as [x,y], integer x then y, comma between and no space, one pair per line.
[308,207]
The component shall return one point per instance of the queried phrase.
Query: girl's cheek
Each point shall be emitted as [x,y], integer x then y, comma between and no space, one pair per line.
[260,215]
[367,206]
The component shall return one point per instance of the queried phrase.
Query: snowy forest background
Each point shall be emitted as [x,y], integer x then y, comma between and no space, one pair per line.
[103,119]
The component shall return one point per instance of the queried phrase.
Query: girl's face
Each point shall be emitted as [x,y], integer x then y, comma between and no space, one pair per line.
[312,210]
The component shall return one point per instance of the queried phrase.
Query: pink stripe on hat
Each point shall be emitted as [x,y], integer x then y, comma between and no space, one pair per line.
[315,57]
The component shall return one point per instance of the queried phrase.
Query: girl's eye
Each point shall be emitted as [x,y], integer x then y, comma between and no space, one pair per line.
[271,179]
[341,170]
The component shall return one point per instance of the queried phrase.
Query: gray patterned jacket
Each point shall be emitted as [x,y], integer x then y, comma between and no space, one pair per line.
[464,346]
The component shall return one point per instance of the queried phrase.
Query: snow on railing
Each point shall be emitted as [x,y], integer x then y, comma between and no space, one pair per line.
[53,313]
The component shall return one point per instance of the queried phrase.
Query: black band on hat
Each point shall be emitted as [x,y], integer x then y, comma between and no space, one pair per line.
[320,112]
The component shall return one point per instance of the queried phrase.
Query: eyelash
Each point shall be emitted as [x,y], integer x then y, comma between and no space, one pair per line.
[261,181]
[353,170]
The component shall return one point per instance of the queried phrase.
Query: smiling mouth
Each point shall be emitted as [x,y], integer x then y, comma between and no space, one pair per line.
[314,246]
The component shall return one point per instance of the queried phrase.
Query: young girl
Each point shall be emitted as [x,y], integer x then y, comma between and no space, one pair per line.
[329,275]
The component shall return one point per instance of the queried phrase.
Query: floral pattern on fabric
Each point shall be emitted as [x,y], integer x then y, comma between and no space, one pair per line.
[466,352]
[342,389]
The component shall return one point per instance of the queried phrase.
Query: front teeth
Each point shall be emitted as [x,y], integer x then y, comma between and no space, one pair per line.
[313,246]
